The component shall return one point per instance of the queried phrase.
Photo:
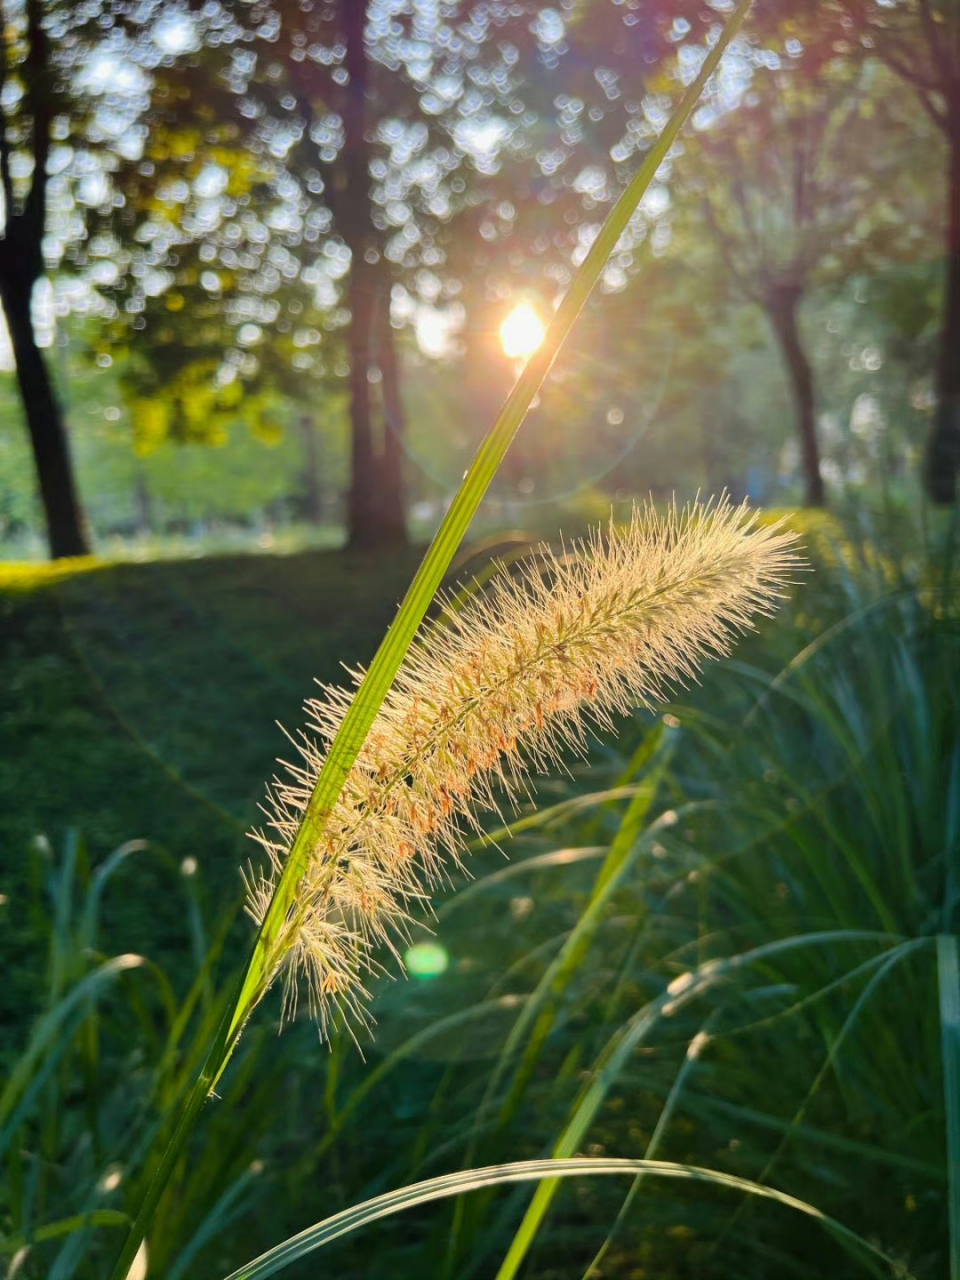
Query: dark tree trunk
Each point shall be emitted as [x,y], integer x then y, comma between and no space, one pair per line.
[942,460]
[368,524]
[362,505]
[782,305]
[21,265]
[48,437]
[394,430]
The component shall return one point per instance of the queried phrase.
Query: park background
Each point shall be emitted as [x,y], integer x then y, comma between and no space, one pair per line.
[269,270]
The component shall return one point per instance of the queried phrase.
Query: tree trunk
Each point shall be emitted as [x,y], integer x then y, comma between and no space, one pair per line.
[365,523]
[942,460]
[782,305]
[394,430]
[51,452]
[362,506]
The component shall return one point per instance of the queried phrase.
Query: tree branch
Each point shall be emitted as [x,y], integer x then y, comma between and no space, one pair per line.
[906,70]
[939,115]
[738,188]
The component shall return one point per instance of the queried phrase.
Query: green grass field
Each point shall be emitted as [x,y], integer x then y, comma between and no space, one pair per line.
[142,701]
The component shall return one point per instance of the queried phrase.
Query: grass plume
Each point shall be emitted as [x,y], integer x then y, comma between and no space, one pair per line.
[512,680]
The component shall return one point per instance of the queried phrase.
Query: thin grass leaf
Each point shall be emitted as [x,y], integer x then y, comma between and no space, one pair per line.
[948,970]
[537,1018]
[539,862]
[439,1027]
[629,842]
[533,1026]
[49,1041]
[558,814]
[65,1227]
[702,1105]
[889,962]
[690,1060]
[816,646]
[227,1208]
[61,892]
[455,1184]
[99,881]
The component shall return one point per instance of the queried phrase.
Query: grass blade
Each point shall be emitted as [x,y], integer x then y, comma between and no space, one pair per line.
[948,971]
[48,1037]
[454,1184]
[666,1115]
[537,1017]
[65,1227]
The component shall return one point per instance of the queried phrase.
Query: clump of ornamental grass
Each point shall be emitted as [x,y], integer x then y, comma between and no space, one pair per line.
[368,820]
[503,687]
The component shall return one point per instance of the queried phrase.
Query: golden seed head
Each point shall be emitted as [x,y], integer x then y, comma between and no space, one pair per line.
[530,663]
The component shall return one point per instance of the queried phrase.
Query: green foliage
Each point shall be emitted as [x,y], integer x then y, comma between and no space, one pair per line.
[246,469]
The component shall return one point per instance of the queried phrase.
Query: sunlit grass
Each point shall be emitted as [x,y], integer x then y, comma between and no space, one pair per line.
[28,575]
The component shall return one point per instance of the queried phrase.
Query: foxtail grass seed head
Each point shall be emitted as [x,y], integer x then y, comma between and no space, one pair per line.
[504,687]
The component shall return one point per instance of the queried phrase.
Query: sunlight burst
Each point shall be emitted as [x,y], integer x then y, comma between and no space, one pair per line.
[522,332]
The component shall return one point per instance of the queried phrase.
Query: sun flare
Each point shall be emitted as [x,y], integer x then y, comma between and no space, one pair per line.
[522,332]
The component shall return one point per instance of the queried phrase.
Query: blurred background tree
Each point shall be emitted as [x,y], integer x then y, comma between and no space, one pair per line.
[240,267]
[796,191]
[920,41]
[40,120]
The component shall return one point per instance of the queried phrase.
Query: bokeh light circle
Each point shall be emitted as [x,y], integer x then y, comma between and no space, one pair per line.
[426,960]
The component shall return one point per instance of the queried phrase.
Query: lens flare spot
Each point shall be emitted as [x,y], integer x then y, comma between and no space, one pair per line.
[426,960]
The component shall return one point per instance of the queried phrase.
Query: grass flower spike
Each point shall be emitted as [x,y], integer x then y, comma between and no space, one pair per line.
[505,686]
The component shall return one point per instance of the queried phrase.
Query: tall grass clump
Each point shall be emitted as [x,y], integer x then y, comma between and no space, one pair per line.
[809,898]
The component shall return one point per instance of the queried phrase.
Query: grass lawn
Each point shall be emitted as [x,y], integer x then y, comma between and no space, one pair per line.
[141,700]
